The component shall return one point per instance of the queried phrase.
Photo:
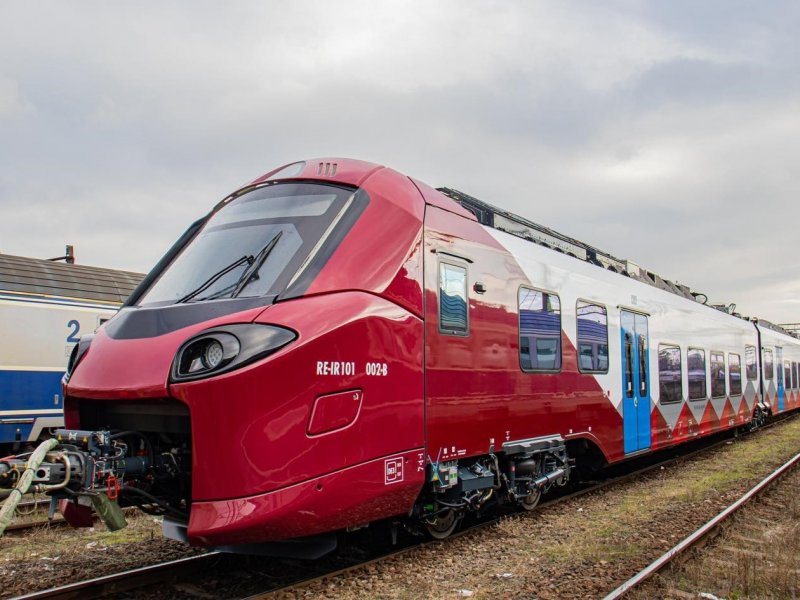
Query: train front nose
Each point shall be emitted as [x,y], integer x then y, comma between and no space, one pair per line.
[298,443]
[298,376]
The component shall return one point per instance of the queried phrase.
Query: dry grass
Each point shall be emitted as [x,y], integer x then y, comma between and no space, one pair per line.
[54,542]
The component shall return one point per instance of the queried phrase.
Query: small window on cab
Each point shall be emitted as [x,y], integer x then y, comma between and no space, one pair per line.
[751,367]
[717,375]
[696,365]
[592,337]
[539,331]
[769,369]
[670,374]
[735,374]
[453,301]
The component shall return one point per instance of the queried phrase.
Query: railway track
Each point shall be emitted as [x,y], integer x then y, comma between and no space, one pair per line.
[702,533]
[56,522]
[187,568]
[117,583]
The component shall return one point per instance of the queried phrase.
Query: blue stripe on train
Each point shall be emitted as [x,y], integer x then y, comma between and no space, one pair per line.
[30,390]
[26,391]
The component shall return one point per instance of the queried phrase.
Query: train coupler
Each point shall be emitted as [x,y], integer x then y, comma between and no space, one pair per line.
[80,471]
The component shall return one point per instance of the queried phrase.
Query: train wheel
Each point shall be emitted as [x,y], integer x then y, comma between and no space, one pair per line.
[531,501]
[442,525]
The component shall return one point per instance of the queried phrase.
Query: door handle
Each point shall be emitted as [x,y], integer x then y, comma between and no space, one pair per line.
[636,403]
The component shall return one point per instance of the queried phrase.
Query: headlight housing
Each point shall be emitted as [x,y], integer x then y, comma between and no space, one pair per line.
[223,349]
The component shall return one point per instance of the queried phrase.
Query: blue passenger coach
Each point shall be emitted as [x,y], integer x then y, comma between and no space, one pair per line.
[45,307]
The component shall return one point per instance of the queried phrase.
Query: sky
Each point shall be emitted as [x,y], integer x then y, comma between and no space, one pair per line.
[667,133]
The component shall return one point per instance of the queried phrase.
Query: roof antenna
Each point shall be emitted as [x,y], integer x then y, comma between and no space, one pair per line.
[69,255]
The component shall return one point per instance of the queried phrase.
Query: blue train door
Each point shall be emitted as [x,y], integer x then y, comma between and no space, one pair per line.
[635,381]
[781,384]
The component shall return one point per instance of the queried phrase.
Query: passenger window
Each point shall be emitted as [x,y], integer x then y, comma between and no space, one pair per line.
[717,375]
[769,369]
[788,374]
[795,375]
[670,375]
[696,364]
[751,368]
[539,330]
[592,337]
[735,374]
[453,313]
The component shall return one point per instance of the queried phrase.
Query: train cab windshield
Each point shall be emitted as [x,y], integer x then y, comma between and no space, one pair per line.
[252,246]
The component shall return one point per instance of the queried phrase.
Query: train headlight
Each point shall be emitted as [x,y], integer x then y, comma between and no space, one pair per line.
[222,349]
[213,355]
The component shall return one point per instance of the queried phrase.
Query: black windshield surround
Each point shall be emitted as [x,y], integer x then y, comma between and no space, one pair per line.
[301,214]
[144,319]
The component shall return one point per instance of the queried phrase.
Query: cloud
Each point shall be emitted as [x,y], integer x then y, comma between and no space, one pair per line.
[662,132]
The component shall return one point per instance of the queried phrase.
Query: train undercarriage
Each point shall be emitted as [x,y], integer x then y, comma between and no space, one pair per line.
[519,474]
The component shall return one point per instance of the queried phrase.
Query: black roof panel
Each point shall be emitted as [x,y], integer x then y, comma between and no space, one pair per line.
[36,276]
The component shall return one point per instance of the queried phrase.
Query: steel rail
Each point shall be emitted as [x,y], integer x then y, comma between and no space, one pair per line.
[116,583]
[55,522]
[17,527]
[692,539]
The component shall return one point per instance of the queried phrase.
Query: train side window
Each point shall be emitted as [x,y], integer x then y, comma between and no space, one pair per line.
[453,303]
[670,375]
[539,330]
[717,360]
[787,374]
[795,375]
[735,374]
[751,367]
[769,370]
[696,365]
[592,337]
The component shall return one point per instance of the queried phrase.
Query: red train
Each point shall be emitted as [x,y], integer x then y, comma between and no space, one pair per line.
[337,343]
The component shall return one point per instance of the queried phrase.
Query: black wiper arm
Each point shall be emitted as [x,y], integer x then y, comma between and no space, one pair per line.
[211,280]
[251,272]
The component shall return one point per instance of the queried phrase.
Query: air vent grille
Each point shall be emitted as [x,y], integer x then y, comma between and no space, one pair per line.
[327,169]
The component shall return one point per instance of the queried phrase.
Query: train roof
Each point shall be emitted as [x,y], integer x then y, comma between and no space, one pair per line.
[497,218]
[35,276]
[787,329]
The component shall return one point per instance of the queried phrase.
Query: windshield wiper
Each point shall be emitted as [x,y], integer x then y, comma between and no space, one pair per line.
[251,273]
[211,280]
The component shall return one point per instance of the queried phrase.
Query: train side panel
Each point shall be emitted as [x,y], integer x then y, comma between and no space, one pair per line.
[669,322]
[478,396]
[38,338]
[779,358]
